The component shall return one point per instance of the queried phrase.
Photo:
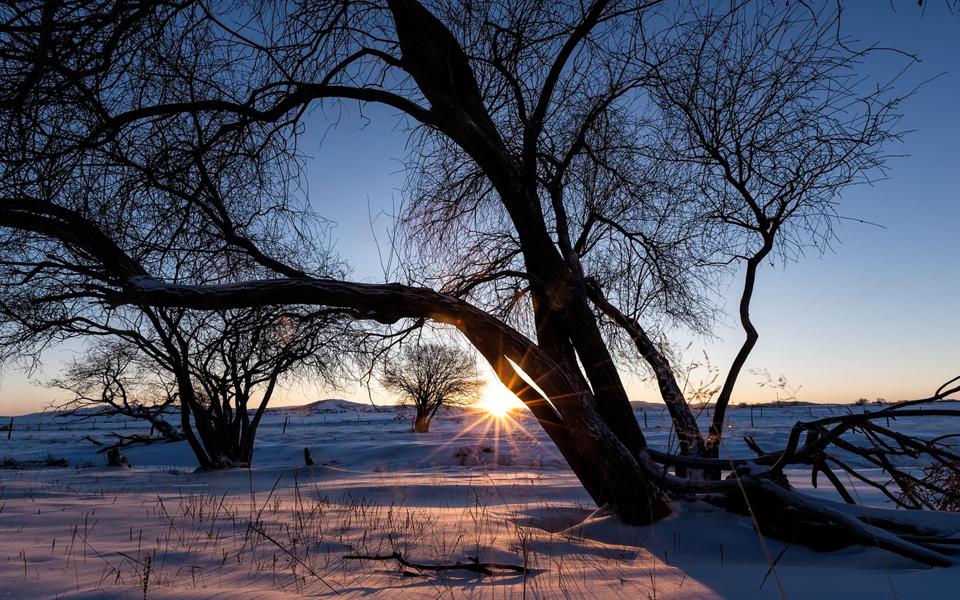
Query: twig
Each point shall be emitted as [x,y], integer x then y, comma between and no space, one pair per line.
[295,557]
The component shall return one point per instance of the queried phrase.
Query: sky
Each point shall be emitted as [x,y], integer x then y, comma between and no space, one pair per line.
[874,317]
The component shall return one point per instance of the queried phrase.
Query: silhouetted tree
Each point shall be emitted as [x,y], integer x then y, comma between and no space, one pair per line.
[113,379]
[218,370]
[429,376]
[583,176]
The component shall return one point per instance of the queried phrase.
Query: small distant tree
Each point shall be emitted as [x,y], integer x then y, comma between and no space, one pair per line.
[429,376]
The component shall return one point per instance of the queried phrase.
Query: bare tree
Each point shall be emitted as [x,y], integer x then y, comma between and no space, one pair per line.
[217,370]
[432,375]
[763,115]
[232,363]
[583,179]
[113,379]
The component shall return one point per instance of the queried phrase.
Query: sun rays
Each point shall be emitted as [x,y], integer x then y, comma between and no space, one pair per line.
[498,424]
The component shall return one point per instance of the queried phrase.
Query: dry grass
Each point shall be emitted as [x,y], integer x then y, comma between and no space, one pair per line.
[293,538]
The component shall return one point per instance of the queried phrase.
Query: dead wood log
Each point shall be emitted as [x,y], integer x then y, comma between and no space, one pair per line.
[795,517]
[474,565]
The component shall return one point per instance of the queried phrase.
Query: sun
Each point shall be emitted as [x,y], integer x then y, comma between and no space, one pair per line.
[498,404]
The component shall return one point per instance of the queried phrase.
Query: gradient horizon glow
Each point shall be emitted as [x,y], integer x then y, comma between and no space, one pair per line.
[874,317]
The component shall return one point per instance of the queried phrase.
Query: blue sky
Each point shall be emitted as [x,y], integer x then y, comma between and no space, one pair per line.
[874,317]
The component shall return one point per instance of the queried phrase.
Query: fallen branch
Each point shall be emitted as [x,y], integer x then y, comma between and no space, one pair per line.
[812,443]
[125,441]
[784,515]
[475,566]
[758,485]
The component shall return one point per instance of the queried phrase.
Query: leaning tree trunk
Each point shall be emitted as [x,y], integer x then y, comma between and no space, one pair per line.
[752,335]
[567,409]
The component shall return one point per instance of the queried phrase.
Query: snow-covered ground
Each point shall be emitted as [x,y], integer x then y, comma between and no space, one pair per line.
[476,486]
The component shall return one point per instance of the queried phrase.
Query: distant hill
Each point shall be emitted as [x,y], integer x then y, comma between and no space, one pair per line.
[641,405]
[332,405]
[338,405]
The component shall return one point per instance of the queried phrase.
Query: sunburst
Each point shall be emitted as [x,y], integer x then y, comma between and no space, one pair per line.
[497,416]
[497,406]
